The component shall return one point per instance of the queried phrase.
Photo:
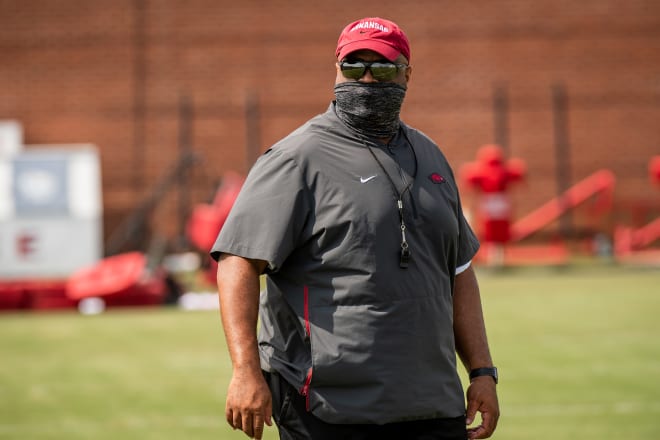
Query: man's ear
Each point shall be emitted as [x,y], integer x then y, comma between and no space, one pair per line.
[408,74]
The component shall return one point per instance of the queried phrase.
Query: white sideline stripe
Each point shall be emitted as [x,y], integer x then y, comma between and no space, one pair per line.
[548,410]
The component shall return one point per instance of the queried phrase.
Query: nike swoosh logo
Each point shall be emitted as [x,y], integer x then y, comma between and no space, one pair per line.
[363,180]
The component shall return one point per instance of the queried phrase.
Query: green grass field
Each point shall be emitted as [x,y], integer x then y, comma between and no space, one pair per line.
[578,353]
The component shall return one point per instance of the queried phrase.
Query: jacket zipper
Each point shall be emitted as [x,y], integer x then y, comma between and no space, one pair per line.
[304,391]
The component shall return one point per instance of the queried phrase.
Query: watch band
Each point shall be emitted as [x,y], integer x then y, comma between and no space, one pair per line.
[486,371]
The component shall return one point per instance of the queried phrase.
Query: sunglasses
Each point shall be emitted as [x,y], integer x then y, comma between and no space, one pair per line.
[381,71]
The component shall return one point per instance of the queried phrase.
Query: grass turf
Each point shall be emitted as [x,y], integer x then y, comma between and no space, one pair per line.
[577,350]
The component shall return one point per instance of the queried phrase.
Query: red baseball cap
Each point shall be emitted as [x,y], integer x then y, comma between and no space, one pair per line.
[377,34]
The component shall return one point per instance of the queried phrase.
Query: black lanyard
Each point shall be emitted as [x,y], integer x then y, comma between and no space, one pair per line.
[404,259]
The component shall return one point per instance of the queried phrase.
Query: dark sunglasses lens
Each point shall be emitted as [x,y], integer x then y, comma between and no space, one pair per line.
[383,71]
[352,70]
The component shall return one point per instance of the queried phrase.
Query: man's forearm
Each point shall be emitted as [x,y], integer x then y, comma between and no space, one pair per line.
[238,288]
[469,327]
[249,402]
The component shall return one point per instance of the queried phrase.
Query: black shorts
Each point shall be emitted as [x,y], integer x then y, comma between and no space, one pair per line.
[296,423]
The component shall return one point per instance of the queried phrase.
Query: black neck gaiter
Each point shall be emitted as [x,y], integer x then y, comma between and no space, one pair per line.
[370,109]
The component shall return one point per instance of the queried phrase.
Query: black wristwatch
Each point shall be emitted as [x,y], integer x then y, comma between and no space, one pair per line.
[488,371]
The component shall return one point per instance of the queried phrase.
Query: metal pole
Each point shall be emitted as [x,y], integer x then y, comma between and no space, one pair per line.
[185,150]
[139,94]
[252,127]
[562,154]
[501,116]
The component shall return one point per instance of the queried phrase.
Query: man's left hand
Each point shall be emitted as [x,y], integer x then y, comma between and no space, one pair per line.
[482,398]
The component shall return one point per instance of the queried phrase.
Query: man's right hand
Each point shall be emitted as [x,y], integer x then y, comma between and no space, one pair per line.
[249,403]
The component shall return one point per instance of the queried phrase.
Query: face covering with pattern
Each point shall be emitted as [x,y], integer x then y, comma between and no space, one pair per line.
[370,109]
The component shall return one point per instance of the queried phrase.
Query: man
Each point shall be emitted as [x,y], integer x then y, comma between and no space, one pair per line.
[356,222]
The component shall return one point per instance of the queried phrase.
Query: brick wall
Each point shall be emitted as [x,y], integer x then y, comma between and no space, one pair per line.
[114,73]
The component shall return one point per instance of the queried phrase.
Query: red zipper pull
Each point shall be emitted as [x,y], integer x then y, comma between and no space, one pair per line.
[304,391]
